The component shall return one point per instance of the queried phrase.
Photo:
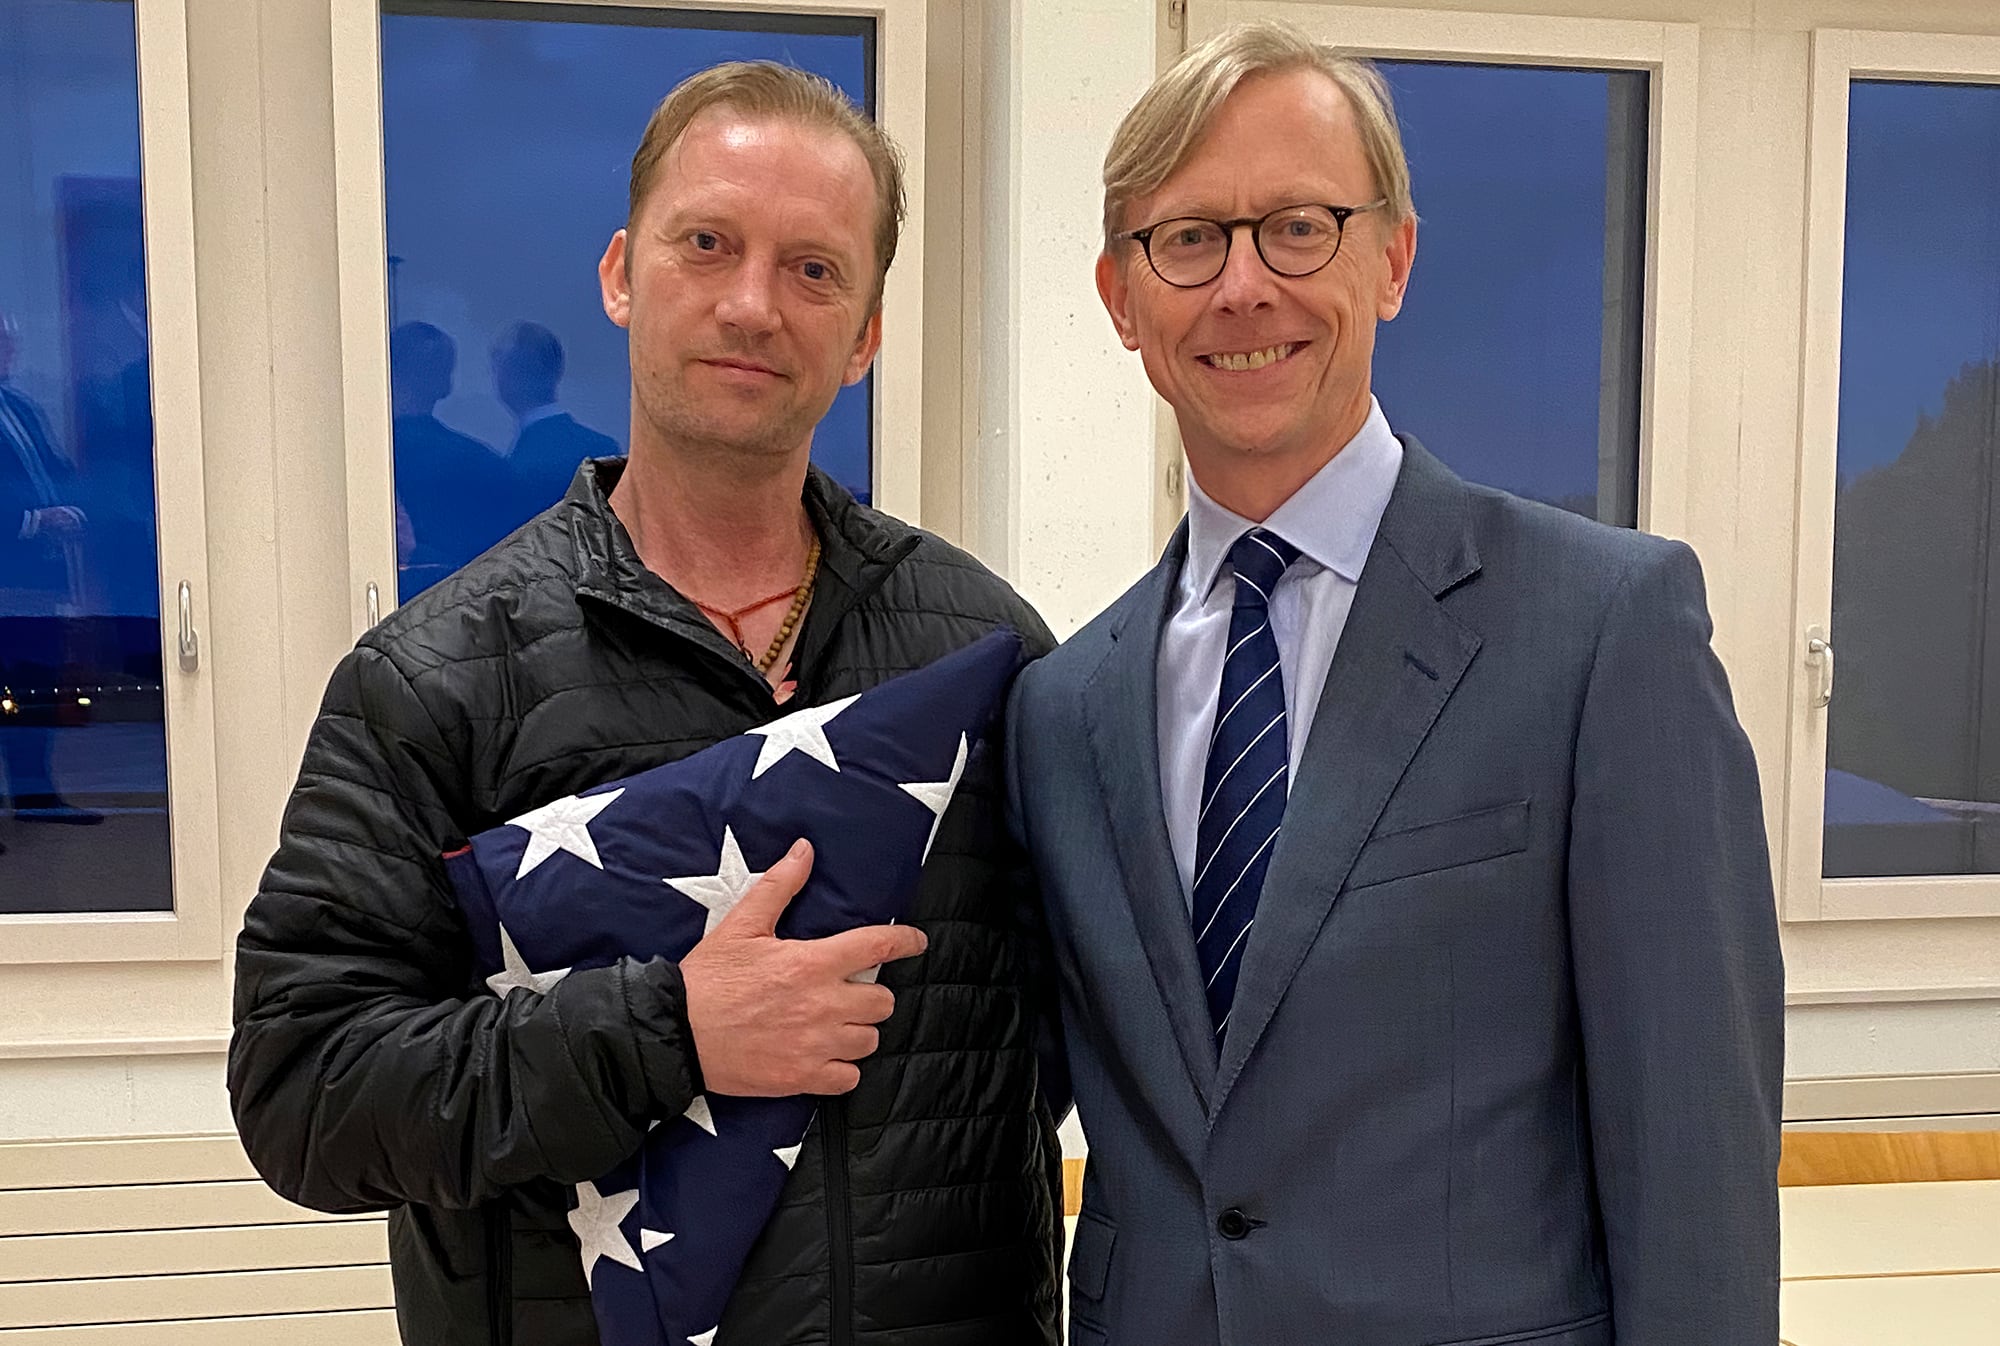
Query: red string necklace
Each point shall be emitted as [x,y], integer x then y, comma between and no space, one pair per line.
[799,593]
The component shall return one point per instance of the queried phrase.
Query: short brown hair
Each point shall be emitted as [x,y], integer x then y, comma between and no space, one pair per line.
[1170,118]
[768,89]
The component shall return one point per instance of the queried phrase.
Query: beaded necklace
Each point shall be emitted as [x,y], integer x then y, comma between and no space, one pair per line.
[800,594]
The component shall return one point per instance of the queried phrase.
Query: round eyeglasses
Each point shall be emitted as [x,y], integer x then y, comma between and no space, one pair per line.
[1293,241]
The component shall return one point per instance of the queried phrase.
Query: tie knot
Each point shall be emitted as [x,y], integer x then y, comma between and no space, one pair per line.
[1259,558]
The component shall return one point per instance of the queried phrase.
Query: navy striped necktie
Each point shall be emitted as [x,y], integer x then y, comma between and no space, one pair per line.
[1244,787]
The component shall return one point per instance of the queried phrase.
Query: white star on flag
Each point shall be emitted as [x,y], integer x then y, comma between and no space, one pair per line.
[595,1221]
[789,1156]
[698,1113]
[936,795]
[514,971]
[803,731]
[562,826]
[650,1239]
[722,890]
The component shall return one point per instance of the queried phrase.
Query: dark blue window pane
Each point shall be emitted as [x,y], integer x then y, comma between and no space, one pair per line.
[1517,356]
[1913,735]
[508,132]
[83,758]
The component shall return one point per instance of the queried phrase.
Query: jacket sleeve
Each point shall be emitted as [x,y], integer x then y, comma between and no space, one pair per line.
[1044,990]
[1679,979]
[361,1074]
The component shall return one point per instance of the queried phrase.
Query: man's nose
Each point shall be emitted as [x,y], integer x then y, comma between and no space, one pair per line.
[1245,283]
[751,301]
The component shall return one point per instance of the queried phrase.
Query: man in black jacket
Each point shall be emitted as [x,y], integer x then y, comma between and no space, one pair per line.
[621,629]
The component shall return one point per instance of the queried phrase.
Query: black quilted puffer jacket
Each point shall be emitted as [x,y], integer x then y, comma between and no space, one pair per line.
[370,1070]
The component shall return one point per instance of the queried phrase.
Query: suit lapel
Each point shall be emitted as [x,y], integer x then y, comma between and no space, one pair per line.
[1121,715]
[1398,662]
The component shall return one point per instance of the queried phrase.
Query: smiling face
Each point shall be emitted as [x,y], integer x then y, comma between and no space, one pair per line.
[1268,375]
[746,282]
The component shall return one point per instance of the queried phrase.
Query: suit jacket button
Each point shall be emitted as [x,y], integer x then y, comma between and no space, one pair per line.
[1232,1224]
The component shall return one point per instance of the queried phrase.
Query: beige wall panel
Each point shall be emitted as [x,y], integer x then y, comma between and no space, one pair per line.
[179,1252]
[186,1205]
[364,1327]
[111,1163]
[230,1294]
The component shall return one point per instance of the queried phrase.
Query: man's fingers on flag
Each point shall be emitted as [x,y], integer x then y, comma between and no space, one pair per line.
[852,950]
[765,902]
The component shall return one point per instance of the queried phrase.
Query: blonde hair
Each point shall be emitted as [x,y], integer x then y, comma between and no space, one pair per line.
[768,89]
[1170,118]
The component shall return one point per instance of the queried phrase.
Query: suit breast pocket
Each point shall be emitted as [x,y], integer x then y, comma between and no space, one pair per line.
[1448,843]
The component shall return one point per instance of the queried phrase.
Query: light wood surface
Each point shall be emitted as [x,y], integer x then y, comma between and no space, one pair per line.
[1820,1158]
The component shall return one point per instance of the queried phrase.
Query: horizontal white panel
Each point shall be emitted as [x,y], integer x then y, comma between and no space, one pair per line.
[105,1096]
[1931,1310]
[186,1205]
[364,1327]
[226,1294]
[1877,1229]
[177,1252]
[122,1162]
[1941,1037]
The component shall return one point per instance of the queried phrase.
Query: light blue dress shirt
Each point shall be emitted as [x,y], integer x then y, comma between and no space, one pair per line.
[1332,520]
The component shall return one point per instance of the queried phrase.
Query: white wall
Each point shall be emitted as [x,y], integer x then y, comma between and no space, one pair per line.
[1064,459]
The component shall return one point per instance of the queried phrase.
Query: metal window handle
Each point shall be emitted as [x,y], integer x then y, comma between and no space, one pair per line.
[374,603]
[190,642]
[1819,654]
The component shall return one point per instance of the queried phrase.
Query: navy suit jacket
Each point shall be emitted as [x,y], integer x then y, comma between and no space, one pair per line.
[1504,1061]
[546,456]
[35,564]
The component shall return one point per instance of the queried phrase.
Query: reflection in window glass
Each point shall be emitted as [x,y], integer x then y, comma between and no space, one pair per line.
[1516,358]
[1913,738]
[508,132]
[83,758]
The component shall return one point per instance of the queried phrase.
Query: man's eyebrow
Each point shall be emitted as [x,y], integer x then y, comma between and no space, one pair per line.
[1267,202]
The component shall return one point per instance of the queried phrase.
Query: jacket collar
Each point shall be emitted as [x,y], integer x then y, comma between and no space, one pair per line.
[859,547]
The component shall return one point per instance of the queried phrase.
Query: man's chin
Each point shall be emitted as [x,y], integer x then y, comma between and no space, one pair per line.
[722,437]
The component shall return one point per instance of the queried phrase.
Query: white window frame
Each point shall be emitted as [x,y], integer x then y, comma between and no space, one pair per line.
[1839,57]
[192,930]
[897,428]
[1671,54]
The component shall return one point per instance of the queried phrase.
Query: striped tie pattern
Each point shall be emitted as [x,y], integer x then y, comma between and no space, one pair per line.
[1244,787]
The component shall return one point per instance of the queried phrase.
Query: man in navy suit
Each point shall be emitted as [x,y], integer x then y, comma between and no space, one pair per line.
[527,367]
[35,518]
[40,529]
[456,492]
[1401,848]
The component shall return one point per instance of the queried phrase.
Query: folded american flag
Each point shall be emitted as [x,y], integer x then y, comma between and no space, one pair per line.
[645,866]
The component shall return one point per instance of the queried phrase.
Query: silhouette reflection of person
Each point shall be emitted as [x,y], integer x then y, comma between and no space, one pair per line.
[454,495]
[527,367]
[40,534]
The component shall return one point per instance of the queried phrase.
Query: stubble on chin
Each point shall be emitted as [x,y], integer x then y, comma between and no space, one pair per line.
[677,420]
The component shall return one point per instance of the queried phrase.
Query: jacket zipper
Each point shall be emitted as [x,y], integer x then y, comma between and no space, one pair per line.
[840,1235]
[500,1277]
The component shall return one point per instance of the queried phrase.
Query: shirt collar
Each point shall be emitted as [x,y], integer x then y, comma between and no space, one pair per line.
[546,411]
[1332,519]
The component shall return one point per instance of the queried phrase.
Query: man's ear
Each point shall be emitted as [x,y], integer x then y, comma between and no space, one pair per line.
[865,347]
[614,280]
[1402,255]
[1113,289]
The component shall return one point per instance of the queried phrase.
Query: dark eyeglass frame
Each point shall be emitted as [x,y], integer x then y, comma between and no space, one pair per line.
[1255,224]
